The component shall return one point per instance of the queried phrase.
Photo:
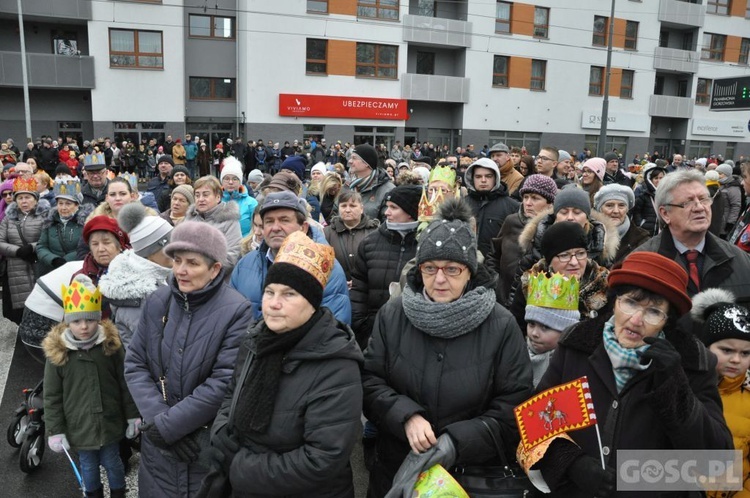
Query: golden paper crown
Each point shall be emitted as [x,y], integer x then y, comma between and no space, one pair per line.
[428,207]
[444,174]
[21,184]
[131,179]
[67,185]
[301,251]
[90,159]
[556,291]
[77,298]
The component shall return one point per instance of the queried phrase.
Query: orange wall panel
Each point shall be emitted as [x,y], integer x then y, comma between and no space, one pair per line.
[737,8]
[342,57]
[344,7]
[520,72]
[615,82]
[618,40]
[732,50]
[522,19]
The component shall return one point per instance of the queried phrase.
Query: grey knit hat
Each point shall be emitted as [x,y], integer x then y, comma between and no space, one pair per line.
[186,191]
[449,236]
[571,196]
[148,234]
[614,191]
[200,237]
[552,318]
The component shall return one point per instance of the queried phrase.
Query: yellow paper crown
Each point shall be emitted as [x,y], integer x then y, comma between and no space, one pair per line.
[556,291]
[21,184]
[77,298]
[131,179]
[428,207]
[444,174]
[67,185]
[90,159]
[300,250]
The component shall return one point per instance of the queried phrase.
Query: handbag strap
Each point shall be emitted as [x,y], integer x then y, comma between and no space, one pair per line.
[20,233]
[162,373]
[496,440]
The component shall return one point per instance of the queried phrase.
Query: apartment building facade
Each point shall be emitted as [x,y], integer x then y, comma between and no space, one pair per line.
[449,71]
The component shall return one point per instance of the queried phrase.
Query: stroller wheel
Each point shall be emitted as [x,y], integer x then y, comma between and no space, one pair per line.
[32,452]
[16,430]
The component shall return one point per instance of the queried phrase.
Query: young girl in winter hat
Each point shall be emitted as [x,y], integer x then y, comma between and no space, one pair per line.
[726,332]
[87,405]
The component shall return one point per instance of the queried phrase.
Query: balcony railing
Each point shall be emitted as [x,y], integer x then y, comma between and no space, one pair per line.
[434,88]
[437,31]
[48,71]
[682,13]
[674,60]
[79,10]
[668,106]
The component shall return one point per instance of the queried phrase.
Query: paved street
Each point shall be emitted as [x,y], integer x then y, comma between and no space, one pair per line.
[55,478]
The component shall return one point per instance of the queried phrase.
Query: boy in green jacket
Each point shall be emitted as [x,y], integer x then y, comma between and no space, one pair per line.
[87,404]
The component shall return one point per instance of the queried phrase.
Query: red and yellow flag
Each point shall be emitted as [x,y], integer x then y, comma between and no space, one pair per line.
[560,409]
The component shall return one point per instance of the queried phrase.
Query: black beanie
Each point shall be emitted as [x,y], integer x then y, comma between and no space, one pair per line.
[562,236]
[298,279]
[722,318]
[407,198]
[368,154]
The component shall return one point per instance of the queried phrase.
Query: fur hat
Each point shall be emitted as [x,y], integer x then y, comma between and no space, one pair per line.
[82,300]
[303,265]
[148,234]
[186,191]
[540,185]
[407,198]
[106,224]
[562,236]
[231,166]
[720,316]
[196,236]
[614,191]
[450,236]
[655,273]
[572,197]
[368,154]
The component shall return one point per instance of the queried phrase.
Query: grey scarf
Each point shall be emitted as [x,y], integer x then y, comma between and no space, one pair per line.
[539,362]
[402,228]
[448,320]
[624,227]
[72,343]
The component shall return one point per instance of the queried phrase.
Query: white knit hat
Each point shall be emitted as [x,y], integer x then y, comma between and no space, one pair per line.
[231,166]
[148,234]
[320,166]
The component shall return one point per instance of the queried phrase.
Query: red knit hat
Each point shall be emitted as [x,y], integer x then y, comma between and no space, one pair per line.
[107,224]
[656,273]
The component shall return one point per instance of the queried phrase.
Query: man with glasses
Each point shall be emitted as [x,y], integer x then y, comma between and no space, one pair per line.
[23,169]
[684,205]
[94,191]
[546,161]
[512,179]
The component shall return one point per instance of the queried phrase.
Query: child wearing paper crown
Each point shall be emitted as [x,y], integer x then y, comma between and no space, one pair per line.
[551,307]
[726,333]
[87,405]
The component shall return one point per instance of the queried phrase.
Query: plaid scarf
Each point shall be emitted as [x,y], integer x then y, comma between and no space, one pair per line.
[625,361]
[363,184]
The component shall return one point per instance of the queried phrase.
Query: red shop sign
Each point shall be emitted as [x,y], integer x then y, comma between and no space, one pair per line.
[335,106]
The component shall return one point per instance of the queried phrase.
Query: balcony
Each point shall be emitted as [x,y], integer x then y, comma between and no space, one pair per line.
[434,88]
[681,13]
[437,31]
[673,60]
[48,71]
[78,10]
[667,106]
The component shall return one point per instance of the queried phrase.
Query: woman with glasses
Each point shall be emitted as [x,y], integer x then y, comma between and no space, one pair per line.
[592,176]
[653,385]
[564,251]
[6,196]
[445,361]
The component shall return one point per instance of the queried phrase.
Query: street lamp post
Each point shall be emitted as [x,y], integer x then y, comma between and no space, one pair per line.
[607,70]
[25,73]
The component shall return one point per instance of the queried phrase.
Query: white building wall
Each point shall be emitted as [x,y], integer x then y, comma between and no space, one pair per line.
[138,94]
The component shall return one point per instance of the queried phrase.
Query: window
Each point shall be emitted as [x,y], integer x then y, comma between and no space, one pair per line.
[502,17]
[596,80]
[316,56]
[375,135]
[377,61]
[713,47]
[682,88]
[631,35]
[518,139]
[212,88]
[137,132]
[600,31]
[703,92]
[718,7]
[211,26]
[500,71]
[729,153]
[744,51]
[687,41]
[538,74]
[747,9]
[700,148]
[134,48]
[317,6]
[425,62]
[626,84]
[664,38]
[541,22]
[378,9]
[612,143]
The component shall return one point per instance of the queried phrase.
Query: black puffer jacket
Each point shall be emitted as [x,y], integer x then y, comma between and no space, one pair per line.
[315,421]
[380,259]
[643,213]
[453,383]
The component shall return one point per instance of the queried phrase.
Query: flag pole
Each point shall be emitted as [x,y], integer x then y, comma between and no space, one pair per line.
[599,438]
[75,469]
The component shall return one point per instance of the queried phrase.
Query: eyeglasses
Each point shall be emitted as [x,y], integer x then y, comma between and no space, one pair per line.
[565,257]
[652,316]
[448,270]
[8,194]
[544,158]
[433,190]
[702,202]
[98,172]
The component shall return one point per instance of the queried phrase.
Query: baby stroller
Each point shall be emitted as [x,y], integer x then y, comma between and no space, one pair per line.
[43,310]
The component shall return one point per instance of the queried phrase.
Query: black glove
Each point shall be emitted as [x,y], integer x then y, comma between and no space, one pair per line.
[26,252]
[228,444]
[58,262]
[588,475]
[186,449]
[666,359]
[154,435]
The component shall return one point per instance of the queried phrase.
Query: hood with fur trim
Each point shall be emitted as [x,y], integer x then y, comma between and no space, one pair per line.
[602,236]
[130,276]
[56,350]
[225,211]
[103,209]
[42,208]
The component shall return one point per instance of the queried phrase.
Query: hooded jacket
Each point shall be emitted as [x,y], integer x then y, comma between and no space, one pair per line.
[249,276]
[315,421]
[85,394]
[60,240]
[246,204]
[129,280]
[490,208]
[644,212]
[225,217]
[733,190]
[345,241]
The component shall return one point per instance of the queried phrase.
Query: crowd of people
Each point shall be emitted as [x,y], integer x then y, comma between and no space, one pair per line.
[242,318]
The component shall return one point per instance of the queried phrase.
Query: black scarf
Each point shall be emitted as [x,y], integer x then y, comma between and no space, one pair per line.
[258,395]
